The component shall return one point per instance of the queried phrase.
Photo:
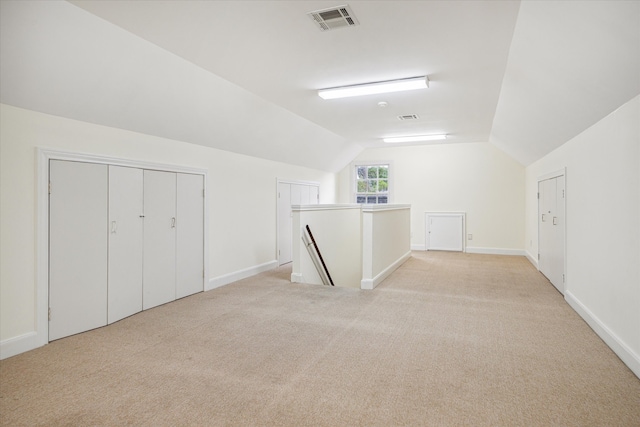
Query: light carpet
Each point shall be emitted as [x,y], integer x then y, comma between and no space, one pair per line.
[449,339]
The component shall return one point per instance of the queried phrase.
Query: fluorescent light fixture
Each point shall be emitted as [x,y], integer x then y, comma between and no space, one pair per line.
[374,88]
[416,138]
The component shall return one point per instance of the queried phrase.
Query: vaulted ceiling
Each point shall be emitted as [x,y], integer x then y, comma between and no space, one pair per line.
[242,75]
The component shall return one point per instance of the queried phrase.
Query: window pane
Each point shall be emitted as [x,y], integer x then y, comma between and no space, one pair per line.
[383,186]
[373,186]
[383,172]
[361,199]
[361,171]
[373,172]
[362,186]
[382,199]
[371,199]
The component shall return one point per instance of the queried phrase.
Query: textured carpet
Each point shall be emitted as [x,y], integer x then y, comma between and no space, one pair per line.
[449,339]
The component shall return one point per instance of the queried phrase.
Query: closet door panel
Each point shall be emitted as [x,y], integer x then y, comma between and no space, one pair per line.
[190,234]
[125,242]
[77,247]
[159,265]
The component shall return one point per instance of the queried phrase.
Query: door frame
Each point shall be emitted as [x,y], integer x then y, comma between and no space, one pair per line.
[42,221]
[287,181]
[550,175]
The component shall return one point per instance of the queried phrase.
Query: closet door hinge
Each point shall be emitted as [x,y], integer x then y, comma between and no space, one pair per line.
[538,257]
[563,278]
[49,187]
[49,314]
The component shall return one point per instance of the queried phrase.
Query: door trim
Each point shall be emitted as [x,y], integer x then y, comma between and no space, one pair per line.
[42,221]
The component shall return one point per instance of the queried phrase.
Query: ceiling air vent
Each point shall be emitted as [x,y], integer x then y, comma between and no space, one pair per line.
[408,117]
[333,17]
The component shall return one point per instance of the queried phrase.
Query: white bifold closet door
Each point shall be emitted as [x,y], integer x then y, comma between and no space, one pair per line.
[291,194]
[77,247]
[190,238]
[159,265]
[125,242]
[285,254]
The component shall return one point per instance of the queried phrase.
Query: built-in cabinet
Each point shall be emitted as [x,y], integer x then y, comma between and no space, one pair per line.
[122,240]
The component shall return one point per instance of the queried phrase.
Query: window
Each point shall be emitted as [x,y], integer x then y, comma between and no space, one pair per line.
[372,184]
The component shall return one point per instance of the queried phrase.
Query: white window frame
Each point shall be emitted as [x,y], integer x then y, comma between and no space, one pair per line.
[390,178]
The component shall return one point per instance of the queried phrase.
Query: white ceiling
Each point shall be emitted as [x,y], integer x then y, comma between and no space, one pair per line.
[242,75]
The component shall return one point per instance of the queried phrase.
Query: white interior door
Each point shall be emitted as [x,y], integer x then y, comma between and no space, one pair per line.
[296,194]
[314,195]
[291,194]
[551,230]
[445,232]
[284,224]
[77,247]
[159,266]
[190,235]
[545,206]
[125,242]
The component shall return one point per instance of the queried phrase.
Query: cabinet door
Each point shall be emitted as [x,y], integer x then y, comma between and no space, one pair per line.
[125,242]
[77,247]
[314,197]
[445,232]
[190,235]
[159,265]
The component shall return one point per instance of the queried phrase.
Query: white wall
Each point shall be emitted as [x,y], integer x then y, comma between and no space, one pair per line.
[603,226]
[475,178]
[241,200]
[329,224]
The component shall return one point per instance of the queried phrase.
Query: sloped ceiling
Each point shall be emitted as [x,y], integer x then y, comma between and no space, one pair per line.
[242,75]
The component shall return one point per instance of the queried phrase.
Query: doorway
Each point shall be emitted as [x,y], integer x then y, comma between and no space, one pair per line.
[551,228]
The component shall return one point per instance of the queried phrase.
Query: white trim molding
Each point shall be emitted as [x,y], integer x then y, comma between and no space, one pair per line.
[20,344]
[496,251]
[532,259]
[372,283]
[228,278]
[622,350]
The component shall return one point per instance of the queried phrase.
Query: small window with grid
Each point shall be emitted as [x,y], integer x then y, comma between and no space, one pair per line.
[372,184]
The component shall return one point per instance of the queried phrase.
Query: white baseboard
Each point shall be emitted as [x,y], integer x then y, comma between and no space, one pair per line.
[533,260]
[19,344]
[495,251]
[297,278]
[372,283]
[618,346]
[418,247]
[225,279]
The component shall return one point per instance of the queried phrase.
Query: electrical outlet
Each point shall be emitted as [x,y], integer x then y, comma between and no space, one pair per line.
[469,236]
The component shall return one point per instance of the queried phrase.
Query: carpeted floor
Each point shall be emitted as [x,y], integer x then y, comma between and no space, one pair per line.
[449,339]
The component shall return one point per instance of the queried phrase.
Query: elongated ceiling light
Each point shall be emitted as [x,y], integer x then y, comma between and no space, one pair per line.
[374,88]
[416,138]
